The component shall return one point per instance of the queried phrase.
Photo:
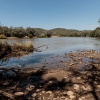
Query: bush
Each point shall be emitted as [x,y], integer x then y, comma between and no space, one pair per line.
[30,35]
[23,47]
[2,36]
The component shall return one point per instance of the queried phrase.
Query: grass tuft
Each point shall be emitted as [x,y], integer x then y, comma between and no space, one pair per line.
[3,36]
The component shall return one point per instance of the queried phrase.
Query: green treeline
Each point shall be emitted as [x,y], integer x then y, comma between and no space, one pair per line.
[21,32]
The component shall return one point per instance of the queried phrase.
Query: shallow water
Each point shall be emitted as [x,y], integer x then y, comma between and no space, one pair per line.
[56,46]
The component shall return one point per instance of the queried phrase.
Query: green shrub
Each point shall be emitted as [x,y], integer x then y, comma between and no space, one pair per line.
[30,35]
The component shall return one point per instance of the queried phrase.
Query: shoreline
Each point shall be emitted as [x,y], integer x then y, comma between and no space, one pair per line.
[45,37]
[54,84]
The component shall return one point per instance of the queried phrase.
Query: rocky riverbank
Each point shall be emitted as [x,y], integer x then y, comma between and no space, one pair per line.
[54,84]
[77,79]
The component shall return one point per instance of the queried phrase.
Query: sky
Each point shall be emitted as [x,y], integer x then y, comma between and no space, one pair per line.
[49,14]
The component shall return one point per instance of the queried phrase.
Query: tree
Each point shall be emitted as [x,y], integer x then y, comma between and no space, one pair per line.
[49,33]
[1,30]
[99,21]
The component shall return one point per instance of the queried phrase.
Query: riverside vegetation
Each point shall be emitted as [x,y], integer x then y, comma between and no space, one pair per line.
[21,32]
[16,49]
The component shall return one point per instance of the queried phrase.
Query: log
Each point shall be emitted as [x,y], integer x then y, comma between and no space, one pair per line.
[6,94]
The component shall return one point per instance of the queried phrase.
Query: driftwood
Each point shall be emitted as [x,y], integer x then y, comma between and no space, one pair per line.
[36,49]
[18,71]
[6,94]
[20,76]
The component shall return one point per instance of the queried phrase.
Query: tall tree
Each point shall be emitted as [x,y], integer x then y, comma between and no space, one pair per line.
[1,30]
[99,21]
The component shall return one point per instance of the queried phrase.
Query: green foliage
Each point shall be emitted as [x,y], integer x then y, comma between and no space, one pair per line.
[30,35]
[95,33]
[21,32]
[49,34]
[69,32]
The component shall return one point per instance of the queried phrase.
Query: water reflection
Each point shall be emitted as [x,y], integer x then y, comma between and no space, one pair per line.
[4,61]
[55,46]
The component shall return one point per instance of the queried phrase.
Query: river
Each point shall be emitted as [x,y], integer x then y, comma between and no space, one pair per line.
[56,46]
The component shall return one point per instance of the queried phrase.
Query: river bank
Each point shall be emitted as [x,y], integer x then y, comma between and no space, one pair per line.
[69,82]
[17,49]
[55,84]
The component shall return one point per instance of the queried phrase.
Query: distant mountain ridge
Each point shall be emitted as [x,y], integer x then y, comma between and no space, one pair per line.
[60,31]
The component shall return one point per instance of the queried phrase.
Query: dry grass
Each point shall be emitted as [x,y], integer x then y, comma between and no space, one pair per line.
[17,48]
[23,47]
[2,36]
[4,46]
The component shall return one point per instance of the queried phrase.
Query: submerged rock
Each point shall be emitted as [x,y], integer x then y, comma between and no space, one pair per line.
[34,94]
[19,93]
[30,87]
